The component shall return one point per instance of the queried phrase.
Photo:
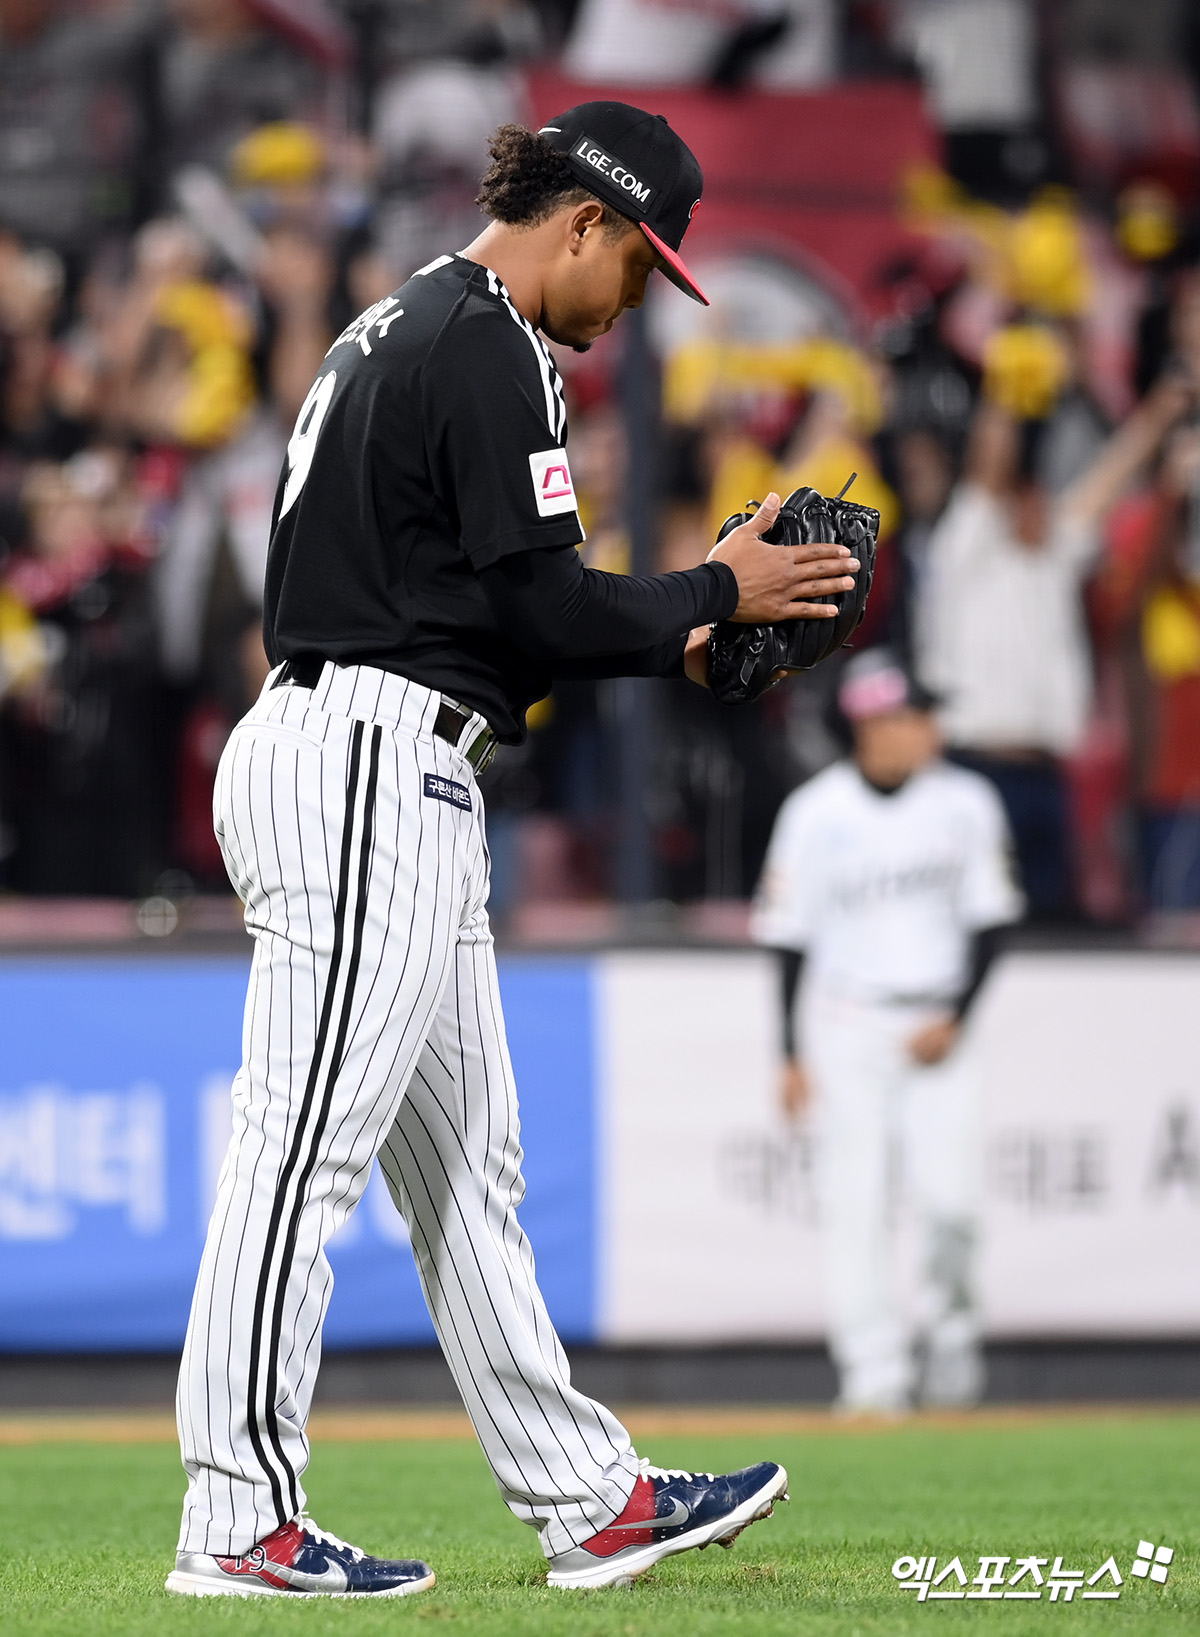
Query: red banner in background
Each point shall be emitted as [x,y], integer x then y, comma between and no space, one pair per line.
[815,177]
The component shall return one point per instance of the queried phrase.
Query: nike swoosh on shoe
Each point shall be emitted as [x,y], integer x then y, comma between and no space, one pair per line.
[333,1578]
[675,1519]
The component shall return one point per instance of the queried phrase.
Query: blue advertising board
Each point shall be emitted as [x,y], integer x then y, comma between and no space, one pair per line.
[114,1116]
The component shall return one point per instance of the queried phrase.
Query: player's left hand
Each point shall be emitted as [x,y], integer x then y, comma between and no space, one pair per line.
[934,1041]
[695,656]
[795,1090]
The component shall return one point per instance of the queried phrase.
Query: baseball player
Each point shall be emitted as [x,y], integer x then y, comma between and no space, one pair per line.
[423,588]
[886,882]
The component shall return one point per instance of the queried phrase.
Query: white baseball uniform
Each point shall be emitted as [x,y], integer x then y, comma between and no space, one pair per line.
[882,892]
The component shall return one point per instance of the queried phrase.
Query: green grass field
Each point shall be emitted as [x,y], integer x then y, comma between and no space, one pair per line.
[87,1535]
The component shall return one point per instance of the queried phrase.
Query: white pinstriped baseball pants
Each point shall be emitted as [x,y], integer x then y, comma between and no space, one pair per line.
[372,1026]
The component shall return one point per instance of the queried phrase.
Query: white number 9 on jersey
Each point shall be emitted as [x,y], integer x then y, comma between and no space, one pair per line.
[303,440]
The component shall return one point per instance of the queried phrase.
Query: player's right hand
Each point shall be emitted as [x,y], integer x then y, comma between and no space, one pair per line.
[795,1089]
[774,581]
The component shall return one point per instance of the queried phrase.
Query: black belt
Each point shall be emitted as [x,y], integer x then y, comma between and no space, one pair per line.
[304,671]
[451,723]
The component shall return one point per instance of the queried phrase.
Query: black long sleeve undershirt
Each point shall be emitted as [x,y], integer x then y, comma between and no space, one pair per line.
[984,946]
[581,622]
[791,969]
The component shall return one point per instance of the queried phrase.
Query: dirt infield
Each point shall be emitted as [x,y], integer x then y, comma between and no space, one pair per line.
[387,1425]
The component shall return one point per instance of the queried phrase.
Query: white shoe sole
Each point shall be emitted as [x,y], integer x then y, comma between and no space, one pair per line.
[199,1585]
[722,1532]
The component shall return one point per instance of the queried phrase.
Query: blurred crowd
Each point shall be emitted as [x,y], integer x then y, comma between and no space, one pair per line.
[197,195]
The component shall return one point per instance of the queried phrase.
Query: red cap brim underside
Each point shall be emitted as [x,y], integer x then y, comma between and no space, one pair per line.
[675,269]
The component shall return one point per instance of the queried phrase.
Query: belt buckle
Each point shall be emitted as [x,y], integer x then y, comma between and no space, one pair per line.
[482,748]
[481,758]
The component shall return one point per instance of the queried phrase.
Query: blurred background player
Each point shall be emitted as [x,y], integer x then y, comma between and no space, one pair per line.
[887,879]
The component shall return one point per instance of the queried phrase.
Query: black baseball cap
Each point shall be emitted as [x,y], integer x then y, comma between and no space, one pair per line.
[634,162]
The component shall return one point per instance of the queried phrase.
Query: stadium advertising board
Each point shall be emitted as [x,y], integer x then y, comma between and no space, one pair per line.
[114,1117]
[668,1200]
[1089,1134]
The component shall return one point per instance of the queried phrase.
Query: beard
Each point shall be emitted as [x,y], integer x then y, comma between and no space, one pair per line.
[560,340]
[559,334]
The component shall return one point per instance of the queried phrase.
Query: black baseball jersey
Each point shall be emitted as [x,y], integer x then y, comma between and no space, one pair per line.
[430,446]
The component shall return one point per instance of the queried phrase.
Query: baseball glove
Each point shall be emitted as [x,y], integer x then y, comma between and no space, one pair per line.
[745,660]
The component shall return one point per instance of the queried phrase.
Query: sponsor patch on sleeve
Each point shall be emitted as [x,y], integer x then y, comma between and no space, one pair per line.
[448,790]
[553,490]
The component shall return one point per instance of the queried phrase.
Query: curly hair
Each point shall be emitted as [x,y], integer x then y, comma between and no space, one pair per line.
[528,180]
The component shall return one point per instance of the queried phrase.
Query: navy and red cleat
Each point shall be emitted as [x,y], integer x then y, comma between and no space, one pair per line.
[297,1560]
[669,1511]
